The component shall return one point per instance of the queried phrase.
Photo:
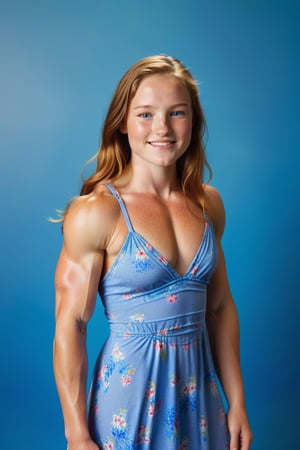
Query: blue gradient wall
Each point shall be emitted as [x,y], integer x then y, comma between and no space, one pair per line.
[60,62]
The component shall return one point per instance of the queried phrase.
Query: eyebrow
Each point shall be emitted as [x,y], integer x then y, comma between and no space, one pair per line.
[177,105]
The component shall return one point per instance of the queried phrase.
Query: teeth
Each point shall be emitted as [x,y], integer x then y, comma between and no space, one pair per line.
[161,144]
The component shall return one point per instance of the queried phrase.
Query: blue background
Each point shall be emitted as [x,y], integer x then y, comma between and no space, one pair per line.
[60,62]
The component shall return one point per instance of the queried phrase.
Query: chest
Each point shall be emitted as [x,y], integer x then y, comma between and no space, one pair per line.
[174,228]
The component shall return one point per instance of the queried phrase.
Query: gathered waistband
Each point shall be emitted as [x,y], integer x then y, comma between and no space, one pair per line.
[189,325]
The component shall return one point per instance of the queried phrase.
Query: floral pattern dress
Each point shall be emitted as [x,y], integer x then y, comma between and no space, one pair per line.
[154,384]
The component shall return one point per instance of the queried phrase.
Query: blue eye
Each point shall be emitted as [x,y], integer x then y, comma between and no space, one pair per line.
[177,113]
[145,115]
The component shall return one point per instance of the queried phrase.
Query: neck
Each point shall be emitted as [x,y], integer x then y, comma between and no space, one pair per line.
[156,180]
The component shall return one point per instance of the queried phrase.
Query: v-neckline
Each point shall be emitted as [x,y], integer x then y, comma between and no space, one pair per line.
[162,260]
[160,257]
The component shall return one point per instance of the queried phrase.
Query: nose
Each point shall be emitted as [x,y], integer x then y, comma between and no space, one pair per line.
[161,124]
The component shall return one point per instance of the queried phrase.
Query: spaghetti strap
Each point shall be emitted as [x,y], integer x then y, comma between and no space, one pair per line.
[121,204]
[205,214]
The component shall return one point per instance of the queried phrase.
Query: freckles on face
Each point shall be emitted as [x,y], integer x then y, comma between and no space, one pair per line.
[159,118]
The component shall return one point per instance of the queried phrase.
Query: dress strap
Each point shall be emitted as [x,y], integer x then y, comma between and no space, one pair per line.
[121,204]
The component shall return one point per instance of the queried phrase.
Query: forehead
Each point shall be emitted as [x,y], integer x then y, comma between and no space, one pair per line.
[161,89]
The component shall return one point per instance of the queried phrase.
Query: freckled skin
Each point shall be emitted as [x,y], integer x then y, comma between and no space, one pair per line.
[158,125]
[159,121]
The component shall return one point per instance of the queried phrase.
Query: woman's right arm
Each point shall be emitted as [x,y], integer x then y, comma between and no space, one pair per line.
[76,280]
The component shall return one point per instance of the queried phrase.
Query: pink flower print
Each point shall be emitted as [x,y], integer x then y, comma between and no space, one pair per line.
[186,346]
[127,296]
[119,421]
[96,409]
[153,407]
[194,270]
[140,254]
[163,332]
[126,377]
[159,345]
[143,434]
[117,354]
[203,428]
[102,372]
[172,298]
[163,260]
[142,262]
[203,423]
[190,394]
[125,380]
[190,388]
[149,246]
[176,425]
[151,391]
[109,445]
[174,379]
[173,345]
[127,334]
[186,390]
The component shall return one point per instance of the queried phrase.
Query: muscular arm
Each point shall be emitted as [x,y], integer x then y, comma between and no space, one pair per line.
[76,281]
[223,328]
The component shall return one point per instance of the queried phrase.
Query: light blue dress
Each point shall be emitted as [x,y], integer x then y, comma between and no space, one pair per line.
[154,385]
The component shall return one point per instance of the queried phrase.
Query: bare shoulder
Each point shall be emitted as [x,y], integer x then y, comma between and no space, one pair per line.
[90,220]
[215,208]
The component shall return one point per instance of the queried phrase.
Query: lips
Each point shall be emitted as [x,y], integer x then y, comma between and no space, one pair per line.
[161,144]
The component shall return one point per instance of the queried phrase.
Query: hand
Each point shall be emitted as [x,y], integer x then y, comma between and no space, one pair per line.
[83,445]
[239,429]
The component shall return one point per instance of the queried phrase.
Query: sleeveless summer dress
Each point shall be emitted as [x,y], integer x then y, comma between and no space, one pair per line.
[154,385]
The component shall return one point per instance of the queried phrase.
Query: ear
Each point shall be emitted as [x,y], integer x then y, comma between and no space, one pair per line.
[123,128]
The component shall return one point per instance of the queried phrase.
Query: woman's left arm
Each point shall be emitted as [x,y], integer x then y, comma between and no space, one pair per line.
[223,329]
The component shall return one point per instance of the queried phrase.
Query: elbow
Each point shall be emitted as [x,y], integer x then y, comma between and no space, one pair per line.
[215,310]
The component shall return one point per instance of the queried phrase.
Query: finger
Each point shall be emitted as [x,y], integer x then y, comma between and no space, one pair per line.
[246,441]
[234,441]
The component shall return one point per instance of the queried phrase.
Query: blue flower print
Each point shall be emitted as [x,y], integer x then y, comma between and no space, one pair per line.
[116,361]
[119,439]
[142,262]
[189,395]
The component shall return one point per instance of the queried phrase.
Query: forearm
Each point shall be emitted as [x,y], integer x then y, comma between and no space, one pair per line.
[70,369]
[223,331]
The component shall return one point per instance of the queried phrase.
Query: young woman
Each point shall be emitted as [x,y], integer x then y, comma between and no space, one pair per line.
[146,234]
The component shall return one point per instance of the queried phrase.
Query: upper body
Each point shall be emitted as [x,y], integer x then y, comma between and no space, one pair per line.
[159,126]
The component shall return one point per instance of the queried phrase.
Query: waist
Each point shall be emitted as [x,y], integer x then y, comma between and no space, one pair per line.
[183,325]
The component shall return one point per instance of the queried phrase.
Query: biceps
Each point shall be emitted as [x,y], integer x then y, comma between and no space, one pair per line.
[76,286]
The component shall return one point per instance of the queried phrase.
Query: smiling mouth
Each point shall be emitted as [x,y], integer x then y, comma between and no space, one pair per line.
[161,144]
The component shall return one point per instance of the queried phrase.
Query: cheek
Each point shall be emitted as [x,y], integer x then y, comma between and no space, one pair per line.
[185,130]
[136,130]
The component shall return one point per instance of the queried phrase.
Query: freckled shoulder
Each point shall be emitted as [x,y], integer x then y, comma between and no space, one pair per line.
[92,219]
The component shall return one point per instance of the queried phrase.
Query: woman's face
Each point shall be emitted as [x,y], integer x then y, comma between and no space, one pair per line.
[159,121]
